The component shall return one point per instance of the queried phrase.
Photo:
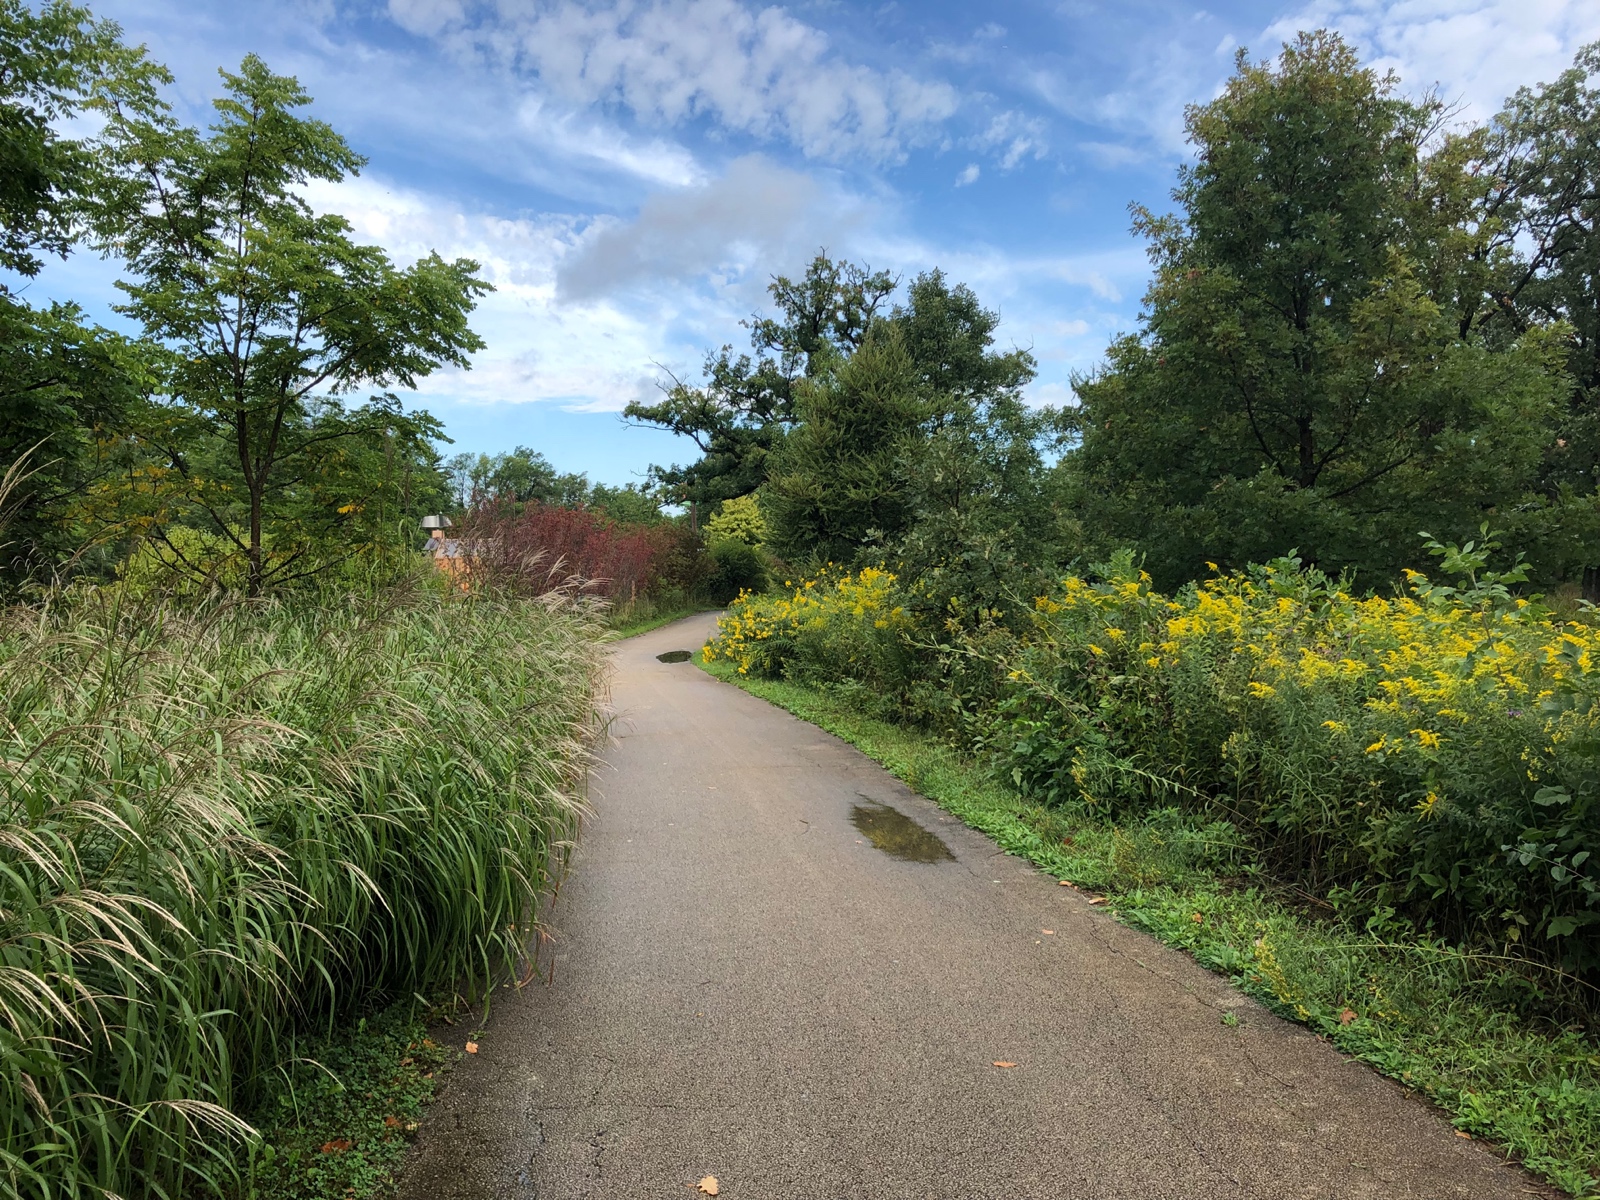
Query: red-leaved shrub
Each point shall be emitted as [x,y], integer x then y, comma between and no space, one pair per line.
[539,547]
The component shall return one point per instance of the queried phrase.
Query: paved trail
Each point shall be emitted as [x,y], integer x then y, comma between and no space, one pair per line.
[746,987]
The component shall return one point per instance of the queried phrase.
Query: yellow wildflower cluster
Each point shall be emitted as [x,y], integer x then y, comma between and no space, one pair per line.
[1413,673]
[759,632]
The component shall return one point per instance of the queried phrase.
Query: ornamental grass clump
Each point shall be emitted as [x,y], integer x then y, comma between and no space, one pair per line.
[230,826]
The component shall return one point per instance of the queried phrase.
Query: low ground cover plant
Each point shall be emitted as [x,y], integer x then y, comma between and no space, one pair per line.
[231,826]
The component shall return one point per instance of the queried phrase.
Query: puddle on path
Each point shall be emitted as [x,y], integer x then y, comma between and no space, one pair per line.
[675,656]
[897,835]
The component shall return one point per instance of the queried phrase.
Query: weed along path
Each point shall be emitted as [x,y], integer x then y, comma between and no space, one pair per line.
[747,986]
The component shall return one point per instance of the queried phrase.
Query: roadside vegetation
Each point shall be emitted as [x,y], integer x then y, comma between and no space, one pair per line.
[279,783]
[282,774]
[236,825]
[1187,643]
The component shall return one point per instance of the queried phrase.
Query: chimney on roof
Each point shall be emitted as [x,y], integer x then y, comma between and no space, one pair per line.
[436,525]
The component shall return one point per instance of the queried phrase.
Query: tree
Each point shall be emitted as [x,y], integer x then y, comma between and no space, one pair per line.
[739,412]
[68,393]
[270,313]
[1303,378]
[64,384]
[922,451]
[1543,155]
[520,475]
[980,520]
[838,481]
[738,520]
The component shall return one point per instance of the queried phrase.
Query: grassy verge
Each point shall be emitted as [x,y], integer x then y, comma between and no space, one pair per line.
[337,1121]
[1468,1031]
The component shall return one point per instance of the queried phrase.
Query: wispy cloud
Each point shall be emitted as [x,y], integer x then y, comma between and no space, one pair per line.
[759,72]
[538,349]
[1477,51]
[1012,137]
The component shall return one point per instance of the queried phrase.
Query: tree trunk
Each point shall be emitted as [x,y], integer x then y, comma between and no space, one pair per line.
[256,572]
[1308,453]
[1591,584]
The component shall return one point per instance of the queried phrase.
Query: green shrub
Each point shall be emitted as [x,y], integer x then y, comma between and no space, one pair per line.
[736,567]
[185,562]
[838,628]
[1436,753]
[228,827]
[738,520]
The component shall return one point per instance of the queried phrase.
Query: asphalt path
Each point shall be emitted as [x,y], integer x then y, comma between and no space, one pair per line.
[744,985]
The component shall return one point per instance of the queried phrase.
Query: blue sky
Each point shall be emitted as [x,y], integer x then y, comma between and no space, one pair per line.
[631,172]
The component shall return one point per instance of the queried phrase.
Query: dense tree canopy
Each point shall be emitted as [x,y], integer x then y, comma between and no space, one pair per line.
[63,382]
[739,412]
[922,427]
[1310,373]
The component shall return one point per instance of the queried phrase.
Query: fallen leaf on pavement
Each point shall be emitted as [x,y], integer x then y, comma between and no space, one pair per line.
[1097,899]
[1051,932]
[337,1146]
[1462,1133]
[708,1185]
[1347,1016]
[1066,883]
[472,1047]
[1004,1064]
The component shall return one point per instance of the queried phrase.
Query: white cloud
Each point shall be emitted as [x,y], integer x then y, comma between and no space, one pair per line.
[656,290]
[1478,51]
[574,135]
[426,16]
[967,176]
[1093,277]
[1141,93]
[756,213]
[1013,137]
[758,72]
[538,349]
[1113,154]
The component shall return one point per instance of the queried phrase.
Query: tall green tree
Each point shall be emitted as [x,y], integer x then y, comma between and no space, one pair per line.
[918,449]
[520,474]
[981,519]
[741,409]
[839,480]
[271,313]
[1542,154]
[66,386]
[1305,377]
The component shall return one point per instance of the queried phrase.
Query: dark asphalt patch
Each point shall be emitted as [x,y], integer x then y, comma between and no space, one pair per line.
[675,656]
